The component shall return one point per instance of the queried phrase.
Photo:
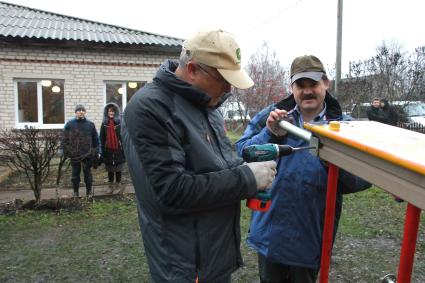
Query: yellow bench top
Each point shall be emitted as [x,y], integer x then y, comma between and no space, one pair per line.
[399,146]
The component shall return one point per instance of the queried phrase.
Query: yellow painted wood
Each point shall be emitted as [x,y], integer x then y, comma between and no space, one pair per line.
[396,145]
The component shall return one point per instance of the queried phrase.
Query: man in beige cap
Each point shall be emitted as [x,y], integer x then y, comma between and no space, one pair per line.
[188,181]
[288,236]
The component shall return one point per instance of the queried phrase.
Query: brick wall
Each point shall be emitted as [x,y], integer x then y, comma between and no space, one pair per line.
[83,71]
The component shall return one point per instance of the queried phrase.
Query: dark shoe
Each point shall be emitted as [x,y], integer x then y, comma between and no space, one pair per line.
[89,192]
[110,188]
[120,187]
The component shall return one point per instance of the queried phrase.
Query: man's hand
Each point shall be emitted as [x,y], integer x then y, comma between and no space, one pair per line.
[273,122]
[264,173]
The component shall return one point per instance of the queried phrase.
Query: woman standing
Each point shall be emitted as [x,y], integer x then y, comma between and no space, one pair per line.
[110,141]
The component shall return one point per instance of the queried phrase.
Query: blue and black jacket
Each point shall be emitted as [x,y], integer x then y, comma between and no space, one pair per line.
[290,232]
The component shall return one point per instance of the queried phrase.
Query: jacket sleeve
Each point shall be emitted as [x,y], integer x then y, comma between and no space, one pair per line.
[378,116]
[95,138]
[102,139]
[256,131]
[158,145]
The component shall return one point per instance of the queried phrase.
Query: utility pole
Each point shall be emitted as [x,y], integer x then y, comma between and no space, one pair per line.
[338,46]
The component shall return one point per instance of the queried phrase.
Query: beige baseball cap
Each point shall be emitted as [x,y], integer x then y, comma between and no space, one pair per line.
[218,49]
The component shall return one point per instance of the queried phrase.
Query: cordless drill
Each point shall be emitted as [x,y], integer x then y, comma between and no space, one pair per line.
[266,152]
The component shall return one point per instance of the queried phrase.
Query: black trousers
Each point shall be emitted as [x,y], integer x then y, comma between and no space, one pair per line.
[76,171]
[272,272]
[117,177]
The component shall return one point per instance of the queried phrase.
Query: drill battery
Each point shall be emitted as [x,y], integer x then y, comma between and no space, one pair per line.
[261,202]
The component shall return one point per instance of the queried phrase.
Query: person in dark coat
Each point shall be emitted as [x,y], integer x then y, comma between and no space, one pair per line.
[81,144]
[390,113]
[112,153]
[375,112]
[189,183]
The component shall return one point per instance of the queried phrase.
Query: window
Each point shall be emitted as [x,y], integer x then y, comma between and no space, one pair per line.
[40,103]
[121,92]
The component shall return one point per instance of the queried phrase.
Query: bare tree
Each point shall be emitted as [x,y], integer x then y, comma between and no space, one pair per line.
[391,74]
[269,77]
[416,74]
[29,151]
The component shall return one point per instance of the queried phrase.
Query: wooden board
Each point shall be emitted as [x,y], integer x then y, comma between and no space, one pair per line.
[389,157]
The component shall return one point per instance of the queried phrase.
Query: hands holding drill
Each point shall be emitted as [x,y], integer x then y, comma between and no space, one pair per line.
[264,173]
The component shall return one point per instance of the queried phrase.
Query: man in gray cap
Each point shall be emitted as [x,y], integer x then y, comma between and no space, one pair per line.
[187,179]
[81,144]
[288,236]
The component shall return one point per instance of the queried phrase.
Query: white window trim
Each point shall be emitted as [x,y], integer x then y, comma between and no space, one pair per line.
[124,92]
[38,125]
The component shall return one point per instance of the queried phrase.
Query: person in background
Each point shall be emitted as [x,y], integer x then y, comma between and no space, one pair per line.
[112,153]
[390,113]
[288,237]
[81,144]
[189,183]
[375,112]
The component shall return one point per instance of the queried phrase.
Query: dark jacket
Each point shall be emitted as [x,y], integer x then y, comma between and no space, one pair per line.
[80,140]
[377,114]
[290,232]
[390,113]
[110,157]
[188,180]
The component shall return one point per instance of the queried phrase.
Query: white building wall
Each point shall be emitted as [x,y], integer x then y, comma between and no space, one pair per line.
[84,72]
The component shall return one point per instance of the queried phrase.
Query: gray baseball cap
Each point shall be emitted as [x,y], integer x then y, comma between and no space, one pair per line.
[307,66]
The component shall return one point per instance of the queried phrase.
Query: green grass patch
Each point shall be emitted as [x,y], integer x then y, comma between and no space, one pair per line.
[102,243]
[234,135]
[362,209]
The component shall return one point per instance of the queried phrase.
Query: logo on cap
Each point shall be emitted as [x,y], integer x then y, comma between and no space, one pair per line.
[238,54]
[218,49]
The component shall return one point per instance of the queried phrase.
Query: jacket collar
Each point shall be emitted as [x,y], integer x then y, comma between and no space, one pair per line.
[166,77]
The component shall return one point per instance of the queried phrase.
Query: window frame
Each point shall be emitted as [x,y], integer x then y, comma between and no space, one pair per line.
[124,87]
[40,124]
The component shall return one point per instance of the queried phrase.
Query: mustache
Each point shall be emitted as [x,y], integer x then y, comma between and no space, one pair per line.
[309,96]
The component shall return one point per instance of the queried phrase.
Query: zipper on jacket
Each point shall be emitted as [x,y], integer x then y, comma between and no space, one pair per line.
[197,249]
[213,140]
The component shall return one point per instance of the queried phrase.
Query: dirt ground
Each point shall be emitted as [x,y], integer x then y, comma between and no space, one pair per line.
[11,194]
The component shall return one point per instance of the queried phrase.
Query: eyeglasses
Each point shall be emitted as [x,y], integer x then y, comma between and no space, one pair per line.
[218,78]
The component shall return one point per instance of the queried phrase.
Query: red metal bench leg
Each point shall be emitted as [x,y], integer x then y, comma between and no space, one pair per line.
[329,223]
[411,225]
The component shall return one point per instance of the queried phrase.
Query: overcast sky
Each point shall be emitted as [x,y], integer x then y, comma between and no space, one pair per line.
[291,27]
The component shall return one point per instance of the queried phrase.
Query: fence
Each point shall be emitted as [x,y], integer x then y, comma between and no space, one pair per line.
[417,127]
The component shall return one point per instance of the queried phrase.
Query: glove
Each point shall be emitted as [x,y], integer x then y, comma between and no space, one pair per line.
[264,173]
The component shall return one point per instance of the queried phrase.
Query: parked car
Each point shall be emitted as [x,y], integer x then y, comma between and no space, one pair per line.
[409,111]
